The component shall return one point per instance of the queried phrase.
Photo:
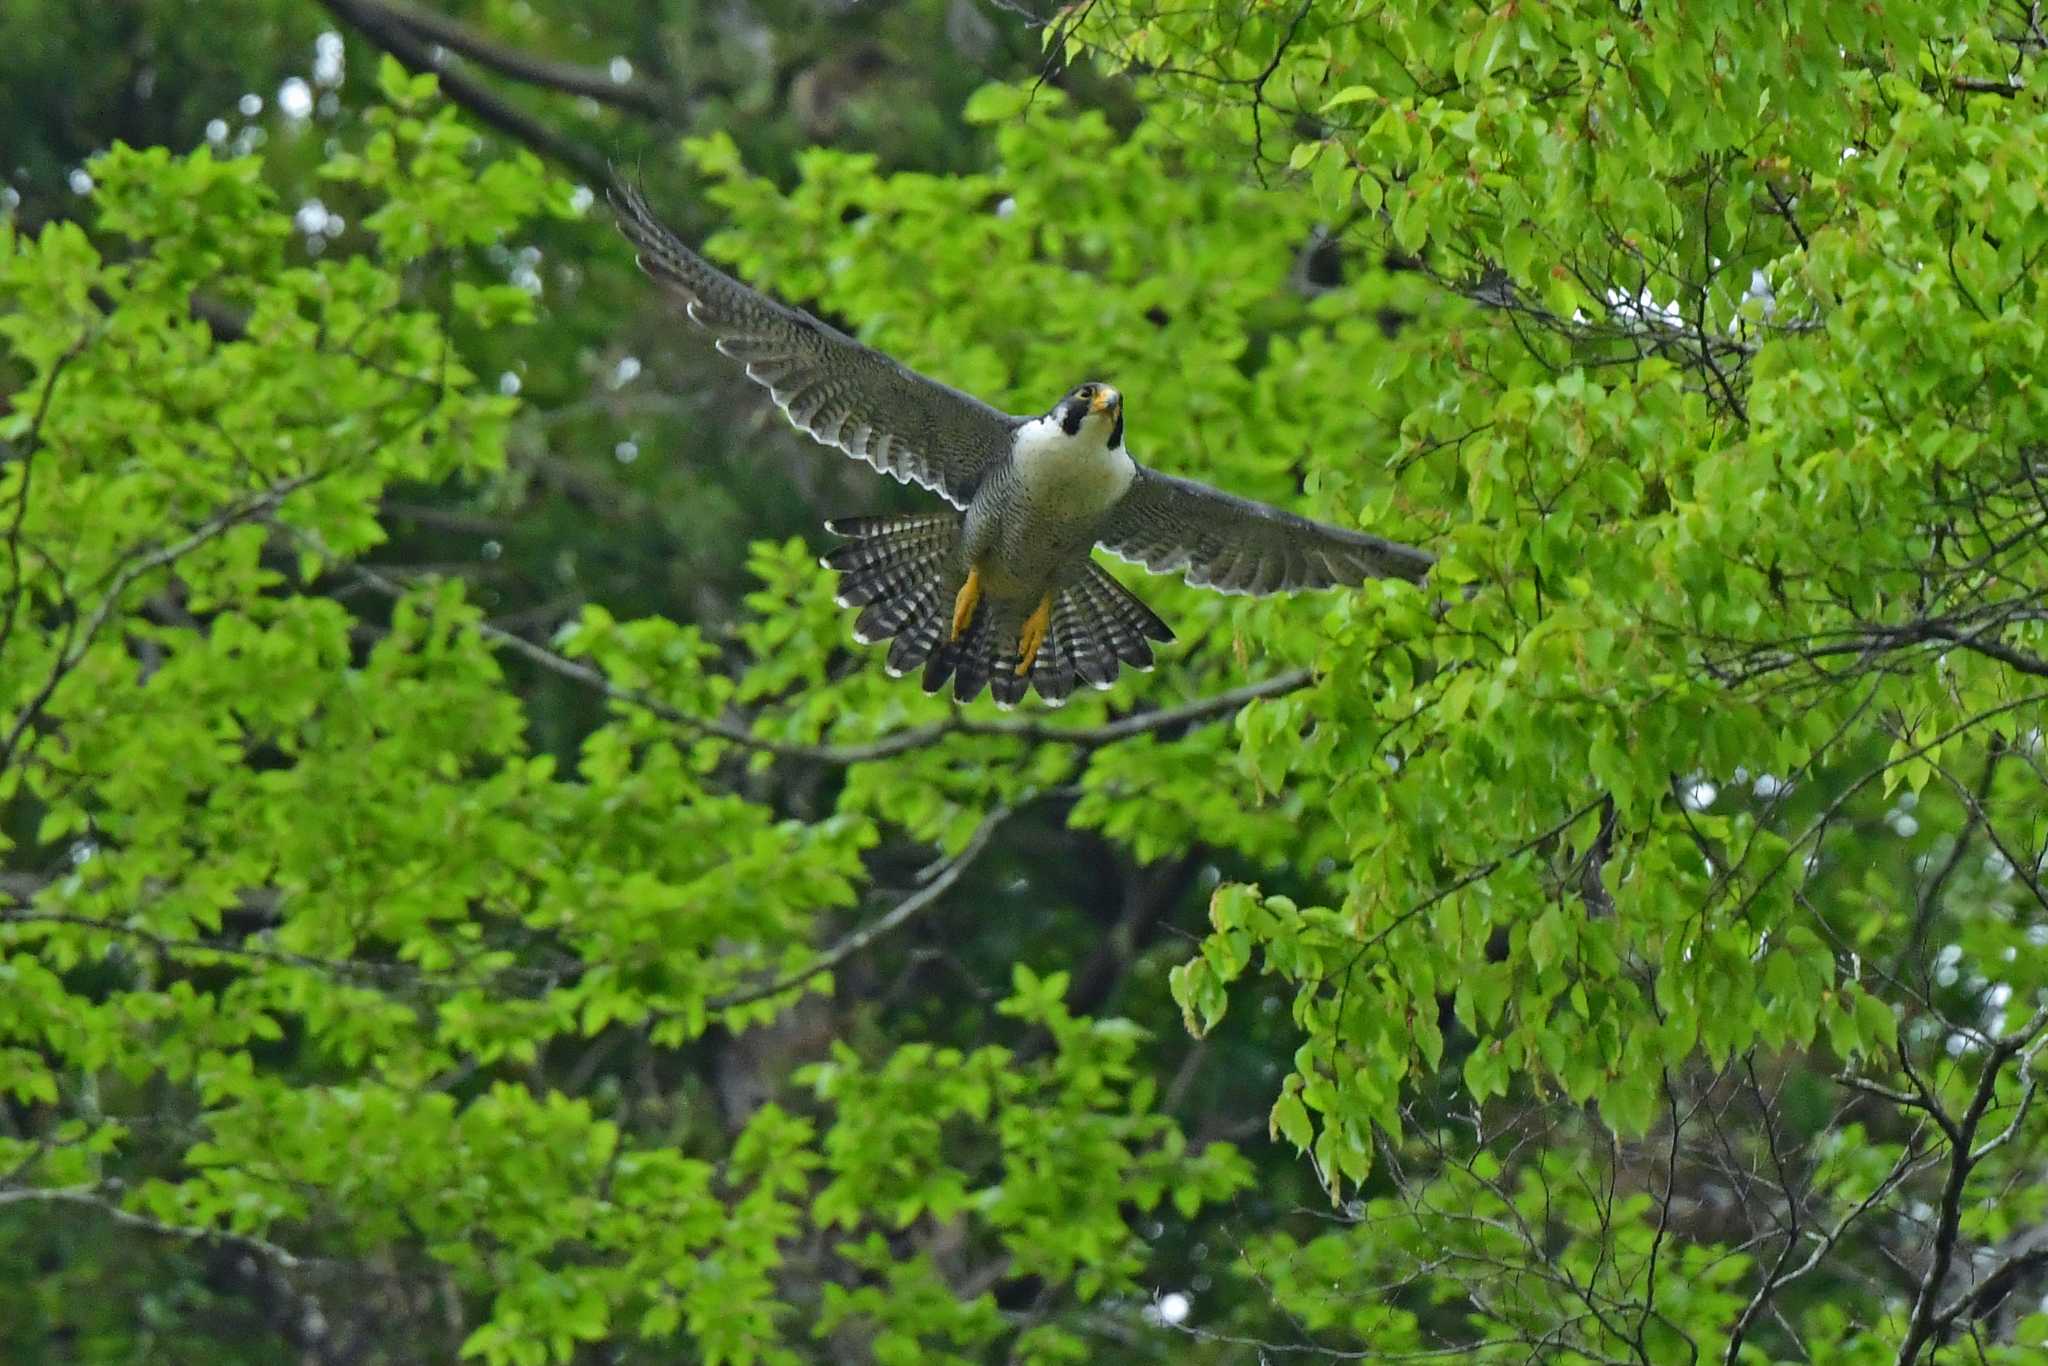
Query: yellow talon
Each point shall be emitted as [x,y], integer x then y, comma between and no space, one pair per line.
[969,598]
[1033,635]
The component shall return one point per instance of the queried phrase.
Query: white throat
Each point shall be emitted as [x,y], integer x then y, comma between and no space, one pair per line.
[1080,474]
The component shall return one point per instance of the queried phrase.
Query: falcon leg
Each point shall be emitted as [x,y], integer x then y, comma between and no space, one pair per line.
[1033,634]
[968,599]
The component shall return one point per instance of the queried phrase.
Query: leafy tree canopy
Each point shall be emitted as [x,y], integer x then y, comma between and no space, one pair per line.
[1631,945]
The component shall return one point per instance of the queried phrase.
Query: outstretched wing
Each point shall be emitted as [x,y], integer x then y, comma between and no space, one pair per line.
[830,386]
[1235,545]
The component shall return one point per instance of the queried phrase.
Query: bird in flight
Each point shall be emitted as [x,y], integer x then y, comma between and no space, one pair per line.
[1000,589]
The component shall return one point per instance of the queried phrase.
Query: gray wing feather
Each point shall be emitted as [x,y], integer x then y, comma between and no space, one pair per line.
[1235,545]
[831,387]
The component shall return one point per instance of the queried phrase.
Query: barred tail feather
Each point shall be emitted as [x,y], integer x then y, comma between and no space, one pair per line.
[903,573]
[985,655]
[1130,623]
[1100,624]
[896,570]
[1094,658]
[1053,674]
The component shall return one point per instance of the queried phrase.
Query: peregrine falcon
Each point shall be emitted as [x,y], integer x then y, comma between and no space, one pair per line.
[1001,589]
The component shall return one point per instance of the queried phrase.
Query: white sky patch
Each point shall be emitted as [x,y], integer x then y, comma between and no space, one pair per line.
[581,198]
[79,180]
[250,104]
[312,218]
[626,452]
[1643,308]
[1170,1309]
[508,384]
[216,130]
[625,372]
[329,60]
[1700,794]
[295,98]
[620,70]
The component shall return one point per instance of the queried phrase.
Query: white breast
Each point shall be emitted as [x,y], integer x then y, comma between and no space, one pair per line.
[1078,475]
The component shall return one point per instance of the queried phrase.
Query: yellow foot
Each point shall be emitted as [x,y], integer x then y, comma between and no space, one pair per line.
[1033,634]
[969,598]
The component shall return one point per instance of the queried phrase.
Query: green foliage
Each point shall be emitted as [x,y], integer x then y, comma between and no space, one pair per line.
[1681,837]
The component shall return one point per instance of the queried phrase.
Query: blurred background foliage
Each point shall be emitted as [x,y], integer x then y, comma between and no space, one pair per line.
[1596,919]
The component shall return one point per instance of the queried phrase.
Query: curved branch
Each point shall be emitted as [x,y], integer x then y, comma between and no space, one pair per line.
[386,31]
[867,934]
[90,1197]
[79,640]
[568,77]
[886,746]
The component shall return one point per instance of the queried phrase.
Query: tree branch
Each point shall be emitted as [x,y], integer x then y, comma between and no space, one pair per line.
[90,1197]
[79,641]
[886,746]
[1909,1162]
[570,78]
[901,912]
[31,442]
[1963,1159]
[386,31]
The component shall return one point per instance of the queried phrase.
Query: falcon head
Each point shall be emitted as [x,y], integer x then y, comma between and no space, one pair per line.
[1094,408]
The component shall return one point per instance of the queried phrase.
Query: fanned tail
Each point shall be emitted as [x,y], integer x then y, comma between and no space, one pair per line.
[903,573]
[985,655]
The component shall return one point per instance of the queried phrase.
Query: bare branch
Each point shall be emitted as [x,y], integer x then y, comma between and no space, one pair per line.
[1909,1162]
[1963,1159]
[93,1197]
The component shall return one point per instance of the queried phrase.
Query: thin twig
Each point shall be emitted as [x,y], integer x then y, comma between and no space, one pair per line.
[80,641]
[31,442]
[867,934]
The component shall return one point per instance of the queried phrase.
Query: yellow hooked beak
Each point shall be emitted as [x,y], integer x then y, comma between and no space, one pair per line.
[1105,401]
